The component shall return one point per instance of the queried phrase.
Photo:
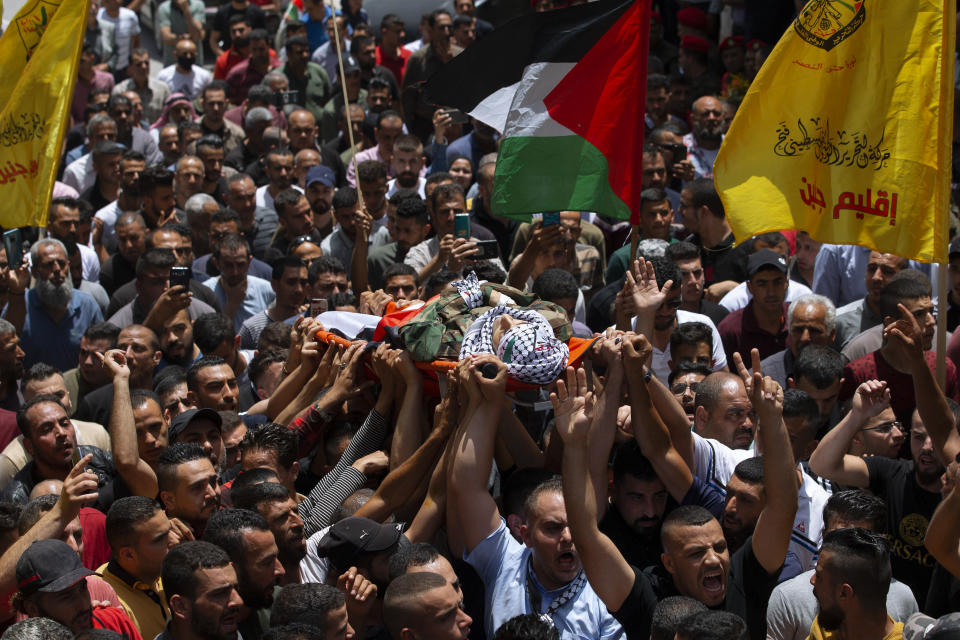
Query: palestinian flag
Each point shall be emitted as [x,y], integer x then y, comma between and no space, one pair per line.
[565,89]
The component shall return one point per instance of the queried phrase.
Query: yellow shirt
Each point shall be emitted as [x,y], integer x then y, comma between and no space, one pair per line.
[817,633]
[145,604]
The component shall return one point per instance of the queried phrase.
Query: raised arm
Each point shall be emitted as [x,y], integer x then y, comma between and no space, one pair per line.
[771,537]
[79,489]
[904,339]
[610,575]
[648,429]
[641,286]
[135,472]
[476,512]
[358,258]
[830,459]
[943,536]
[409,430]
[405,479]
[608,351]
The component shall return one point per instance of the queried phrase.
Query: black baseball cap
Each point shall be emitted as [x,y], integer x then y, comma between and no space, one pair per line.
[352,536]
[49,566]
[182,421]
[765,259]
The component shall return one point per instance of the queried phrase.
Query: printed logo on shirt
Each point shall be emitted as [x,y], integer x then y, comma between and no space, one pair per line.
[913,529]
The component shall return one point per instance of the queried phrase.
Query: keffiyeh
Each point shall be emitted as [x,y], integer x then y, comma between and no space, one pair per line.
[531,351]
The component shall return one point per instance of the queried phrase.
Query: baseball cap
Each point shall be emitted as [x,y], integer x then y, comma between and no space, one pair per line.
[695,43]
[923,627]
[321,174]
[182,421]
[349,65]
[49,566]
[355,535]
[763,259]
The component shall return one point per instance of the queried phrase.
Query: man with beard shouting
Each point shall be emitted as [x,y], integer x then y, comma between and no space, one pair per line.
[52,317]
[546,568]
[703,142]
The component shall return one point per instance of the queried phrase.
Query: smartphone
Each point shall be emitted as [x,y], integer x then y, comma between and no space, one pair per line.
[283,98]
[457,116]
[489,250]
[317,306]
[180,277]
[461,225]
[551,218]
[14,248]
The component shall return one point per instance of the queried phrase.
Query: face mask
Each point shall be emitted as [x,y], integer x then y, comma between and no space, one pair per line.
[185,62]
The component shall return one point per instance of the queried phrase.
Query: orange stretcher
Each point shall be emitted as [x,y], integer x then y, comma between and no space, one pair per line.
[432,370]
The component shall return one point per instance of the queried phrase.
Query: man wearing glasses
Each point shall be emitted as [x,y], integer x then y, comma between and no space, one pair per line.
[703,142]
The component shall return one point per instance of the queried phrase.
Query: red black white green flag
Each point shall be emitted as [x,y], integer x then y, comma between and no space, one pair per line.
[565,89]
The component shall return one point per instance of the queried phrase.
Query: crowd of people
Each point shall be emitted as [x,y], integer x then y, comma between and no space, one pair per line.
[200,438]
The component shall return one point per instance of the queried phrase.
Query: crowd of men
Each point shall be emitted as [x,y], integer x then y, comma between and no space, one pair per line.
[753,446]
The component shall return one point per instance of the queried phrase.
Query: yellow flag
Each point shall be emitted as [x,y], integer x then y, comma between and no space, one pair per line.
[845,133]
[39,52]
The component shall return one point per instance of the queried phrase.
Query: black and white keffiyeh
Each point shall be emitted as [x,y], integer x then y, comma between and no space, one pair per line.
[531,351]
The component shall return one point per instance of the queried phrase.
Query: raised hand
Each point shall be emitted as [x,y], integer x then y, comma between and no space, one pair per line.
[360,594]
[904,338]
[637,352]
[647,296]
[492,389]
[572,406]
[80,488]
[870,399]
[744,373]
[767,399]
[114,361]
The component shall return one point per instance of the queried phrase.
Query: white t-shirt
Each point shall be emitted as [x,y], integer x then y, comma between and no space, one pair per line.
[189,84]
[660,358]
[740,296]
[116,36]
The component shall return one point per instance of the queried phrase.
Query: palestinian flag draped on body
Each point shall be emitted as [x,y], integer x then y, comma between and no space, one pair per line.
[565,89]
[846,130]
[39,52]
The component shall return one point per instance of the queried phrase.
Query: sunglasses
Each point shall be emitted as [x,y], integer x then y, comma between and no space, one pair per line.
[681,387]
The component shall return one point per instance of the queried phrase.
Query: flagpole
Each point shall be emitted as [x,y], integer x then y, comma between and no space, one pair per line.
[942,278]
[634,241]
[346,104]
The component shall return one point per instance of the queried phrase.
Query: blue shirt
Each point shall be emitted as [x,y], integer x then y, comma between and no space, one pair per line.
[316,30]
[259,296]
[57,343]
[502,562]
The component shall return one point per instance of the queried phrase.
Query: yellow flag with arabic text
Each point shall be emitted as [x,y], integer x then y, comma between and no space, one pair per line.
[846,131]
[39,52]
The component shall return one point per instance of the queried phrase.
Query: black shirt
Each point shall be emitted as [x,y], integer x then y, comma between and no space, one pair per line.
[724,261]
[943,597]
[115,273]
[712,310]
[96,406]
[909,509]
[637,549]
[221,21]
[748,589]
